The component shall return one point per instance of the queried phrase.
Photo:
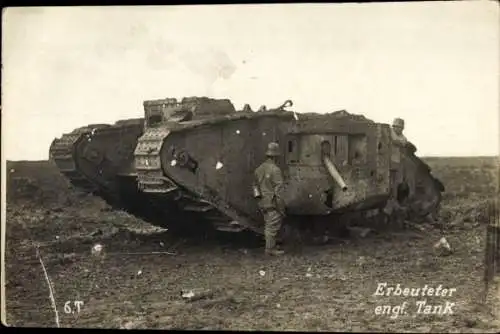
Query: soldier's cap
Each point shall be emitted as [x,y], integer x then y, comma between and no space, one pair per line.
[273,149]
[399,122]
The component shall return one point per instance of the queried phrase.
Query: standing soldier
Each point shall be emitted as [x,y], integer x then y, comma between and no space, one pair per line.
[268,187]
[398,141]
[397,175]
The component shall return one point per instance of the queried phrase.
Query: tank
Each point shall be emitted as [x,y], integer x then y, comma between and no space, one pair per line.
[188,165]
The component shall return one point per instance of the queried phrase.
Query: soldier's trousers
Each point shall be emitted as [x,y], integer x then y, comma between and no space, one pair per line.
[394,179]
[397,176]
[273,221]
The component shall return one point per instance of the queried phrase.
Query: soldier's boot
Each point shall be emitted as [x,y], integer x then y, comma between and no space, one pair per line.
[271,247]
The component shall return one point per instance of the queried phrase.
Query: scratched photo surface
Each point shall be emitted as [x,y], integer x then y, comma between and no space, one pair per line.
[252,167]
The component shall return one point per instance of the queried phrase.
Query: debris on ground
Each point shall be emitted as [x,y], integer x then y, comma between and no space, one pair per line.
[196,294]
[97,250]
[443,247]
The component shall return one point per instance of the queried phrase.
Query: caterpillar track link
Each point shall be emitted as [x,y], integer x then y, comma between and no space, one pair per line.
[188,165]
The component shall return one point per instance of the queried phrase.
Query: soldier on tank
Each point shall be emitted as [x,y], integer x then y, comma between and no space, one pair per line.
[397,174]
[399,141]
[268,187]
[398,125]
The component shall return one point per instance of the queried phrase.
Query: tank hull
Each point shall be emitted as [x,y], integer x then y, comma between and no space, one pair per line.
[191,172]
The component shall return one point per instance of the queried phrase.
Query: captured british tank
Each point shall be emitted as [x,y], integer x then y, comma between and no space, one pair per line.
[188,165]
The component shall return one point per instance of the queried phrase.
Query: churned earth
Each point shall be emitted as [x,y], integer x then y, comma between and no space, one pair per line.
[136,280]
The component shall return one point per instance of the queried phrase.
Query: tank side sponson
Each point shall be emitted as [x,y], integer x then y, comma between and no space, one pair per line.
[357,156]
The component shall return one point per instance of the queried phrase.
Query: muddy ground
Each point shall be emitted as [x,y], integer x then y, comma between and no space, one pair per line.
[316,288]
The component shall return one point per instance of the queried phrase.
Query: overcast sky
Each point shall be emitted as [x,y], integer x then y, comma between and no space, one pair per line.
[434,64]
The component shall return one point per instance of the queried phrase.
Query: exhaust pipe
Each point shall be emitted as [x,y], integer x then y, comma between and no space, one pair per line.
[334,172]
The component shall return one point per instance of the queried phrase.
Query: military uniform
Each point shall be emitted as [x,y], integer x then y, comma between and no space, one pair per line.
[269,182]
[397,171]
[399,141]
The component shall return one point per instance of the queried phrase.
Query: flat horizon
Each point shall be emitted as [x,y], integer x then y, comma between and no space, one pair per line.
[379,60]
[421,157]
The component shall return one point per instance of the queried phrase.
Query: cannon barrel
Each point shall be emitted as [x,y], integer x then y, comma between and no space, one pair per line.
[330,167]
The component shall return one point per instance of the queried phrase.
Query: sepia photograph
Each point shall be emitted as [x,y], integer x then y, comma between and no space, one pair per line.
[272,167]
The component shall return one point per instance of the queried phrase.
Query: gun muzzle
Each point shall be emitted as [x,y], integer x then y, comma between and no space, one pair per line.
[334,173]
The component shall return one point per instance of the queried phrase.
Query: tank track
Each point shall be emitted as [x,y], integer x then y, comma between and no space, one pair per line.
[87,164]
[421,206]
[67,153]
[152,180]
[62,152]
